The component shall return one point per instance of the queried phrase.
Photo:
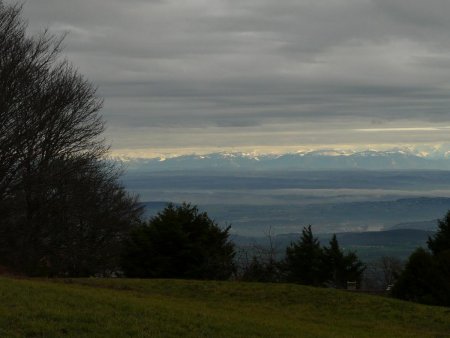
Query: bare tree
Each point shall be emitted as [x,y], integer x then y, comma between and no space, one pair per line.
[50,145]
[261,263]
[391,268]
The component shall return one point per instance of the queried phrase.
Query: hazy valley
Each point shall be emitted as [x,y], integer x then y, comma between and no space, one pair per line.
[256,200]
[254,197]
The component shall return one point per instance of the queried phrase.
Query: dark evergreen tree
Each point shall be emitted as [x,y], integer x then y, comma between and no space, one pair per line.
[341,267]
[305,260]
[308,263]
[426,277]
[423,280]
[334,258]
[179,242]
[440,242]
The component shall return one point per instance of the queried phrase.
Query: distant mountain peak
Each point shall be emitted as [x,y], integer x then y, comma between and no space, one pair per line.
[325,159]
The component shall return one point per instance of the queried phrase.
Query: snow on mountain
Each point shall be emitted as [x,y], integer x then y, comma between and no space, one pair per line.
[311,160]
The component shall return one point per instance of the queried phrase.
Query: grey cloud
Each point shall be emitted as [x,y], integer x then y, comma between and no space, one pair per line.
[417,13]
[257,64]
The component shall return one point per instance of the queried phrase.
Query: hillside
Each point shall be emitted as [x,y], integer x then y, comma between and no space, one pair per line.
[163,308]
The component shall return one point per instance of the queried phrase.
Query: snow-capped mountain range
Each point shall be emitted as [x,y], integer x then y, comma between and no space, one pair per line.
[302,160]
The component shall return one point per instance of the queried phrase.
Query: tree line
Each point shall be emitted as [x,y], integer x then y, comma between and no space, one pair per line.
[181,242]
[306,262]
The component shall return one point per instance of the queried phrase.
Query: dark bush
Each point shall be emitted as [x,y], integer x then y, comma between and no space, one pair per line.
[180,242]
[426,277]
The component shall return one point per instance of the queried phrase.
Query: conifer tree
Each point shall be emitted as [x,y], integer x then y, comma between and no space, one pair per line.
[179,242]
[342,267]
[304,261]
[426,277]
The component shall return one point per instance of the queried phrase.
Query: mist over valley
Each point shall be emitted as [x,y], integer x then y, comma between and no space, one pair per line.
[254,198]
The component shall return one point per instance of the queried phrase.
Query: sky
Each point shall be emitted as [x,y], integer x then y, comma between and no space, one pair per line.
[196,76]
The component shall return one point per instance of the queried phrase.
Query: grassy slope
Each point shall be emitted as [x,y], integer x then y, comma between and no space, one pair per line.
[142,308]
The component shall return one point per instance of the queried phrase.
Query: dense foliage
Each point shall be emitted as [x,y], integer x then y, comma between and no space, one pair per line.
[341,267]
[179,242]
[310,264]
[62,210]
[426,277]
[305,260]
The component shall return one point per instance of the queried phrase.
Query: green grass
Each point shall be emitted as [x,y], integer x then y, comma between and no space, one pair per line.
[175,308]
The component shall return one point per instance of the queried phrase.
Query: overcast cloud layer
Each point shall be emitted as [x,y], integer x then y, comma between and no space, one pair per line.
[242,74]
